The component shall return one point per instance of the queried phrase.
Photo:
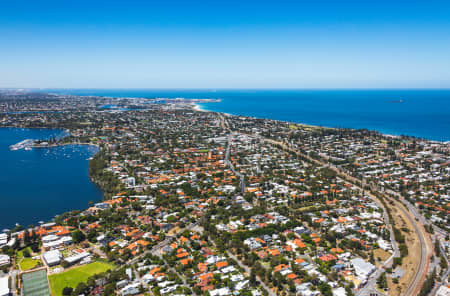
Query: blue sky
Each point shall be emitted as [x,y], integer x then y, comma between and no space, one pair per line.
[225,44]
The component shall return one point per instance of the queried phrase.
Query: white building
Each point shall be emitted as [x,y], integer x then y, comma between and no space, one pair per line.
[220,292]
[52,258]
[51,242]
[75,258]
[131,289]
[363,269]
[443,291]
[4,259]
[4,286]
[3,239]
[339,292]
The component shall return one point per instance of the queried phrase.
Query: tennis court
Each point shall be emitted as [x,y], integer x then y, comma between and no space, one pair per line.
[35,283]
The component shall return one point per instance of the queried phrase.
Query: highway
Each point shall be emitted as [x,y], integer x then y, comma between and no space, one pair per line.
[424,241]
[439,233]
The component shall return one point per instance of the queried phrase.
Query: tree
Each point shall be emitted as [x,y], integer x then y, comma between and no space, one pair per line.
[80,289]
[26,238]
[67,291]
[78,236]
[109,289]
[382,281]
[325,289]
[252,277]
[65,264]
[26,253]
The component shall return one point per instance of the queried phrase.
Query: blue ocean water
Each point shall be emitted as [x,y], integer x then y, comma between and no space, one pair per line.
[39,184]
[419,113]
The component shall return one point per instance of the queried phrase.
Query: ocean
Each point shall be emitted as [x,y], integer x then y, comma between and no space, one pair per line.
[419,113]
[39,184]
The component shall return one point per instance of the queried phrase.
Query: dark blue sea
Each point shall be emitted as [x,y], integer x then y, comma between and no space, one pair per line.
[419,113]
[39,184]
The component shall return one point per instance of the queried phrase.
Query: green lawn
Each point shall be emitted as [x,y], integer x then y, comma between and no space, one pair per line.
[73,277]
[28,263]
[19,255]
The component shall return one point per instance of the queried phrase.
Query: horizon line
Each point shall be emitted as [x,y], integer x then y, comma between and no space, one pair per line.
[215,89]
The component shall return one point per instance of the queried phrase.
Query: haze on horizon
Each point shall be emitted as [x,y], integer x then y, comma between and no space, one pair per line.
[226,44]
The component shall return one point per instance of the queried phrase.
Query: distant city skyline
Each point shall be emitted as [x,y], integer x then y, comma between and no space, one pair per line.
[229,44]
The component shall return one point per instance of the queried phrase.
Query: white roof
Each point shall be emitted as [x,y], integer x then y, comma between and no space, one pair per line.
[220,292]
[77,257]
[443,291]
[4,286]
[339,292]
[362,267]
[52,256]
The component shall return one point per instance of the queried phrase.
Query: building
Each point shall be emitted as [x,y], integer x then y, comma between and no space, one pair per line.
[220,292]
[4,260]
[52,242]
[363,269]
[76,258]
[443,291]
[52,258]
[3,239]
[131,289]
[4,286]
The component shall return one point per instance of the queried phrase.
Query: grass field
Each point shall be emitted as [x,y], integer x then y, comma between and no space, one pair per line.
[28,263]
[73,277]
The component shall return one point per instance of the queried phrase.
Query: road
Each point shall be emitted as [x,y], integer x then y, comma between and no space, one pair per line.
[13,274]
[446,273]
[231,166]
[426,248]
[245,267]
[370,287]
[439,234]
[183,279]
[143,284]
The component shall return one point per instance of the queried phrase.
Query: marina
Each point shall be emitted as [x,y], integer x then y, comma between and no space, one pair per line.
[25,144]
[41,183]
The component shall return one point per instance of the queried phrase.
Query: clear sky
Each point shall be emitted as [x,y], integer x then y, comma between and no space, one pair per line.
[225,44]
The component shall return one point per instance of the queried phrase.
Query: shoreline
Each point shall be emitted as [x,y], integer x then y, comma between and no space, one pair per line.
[198,108]
[66,144]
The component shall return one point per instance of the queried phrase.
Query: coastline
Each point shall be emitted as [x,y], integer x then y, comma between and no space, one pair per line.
[66,144]
[198,108]
[423,114]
